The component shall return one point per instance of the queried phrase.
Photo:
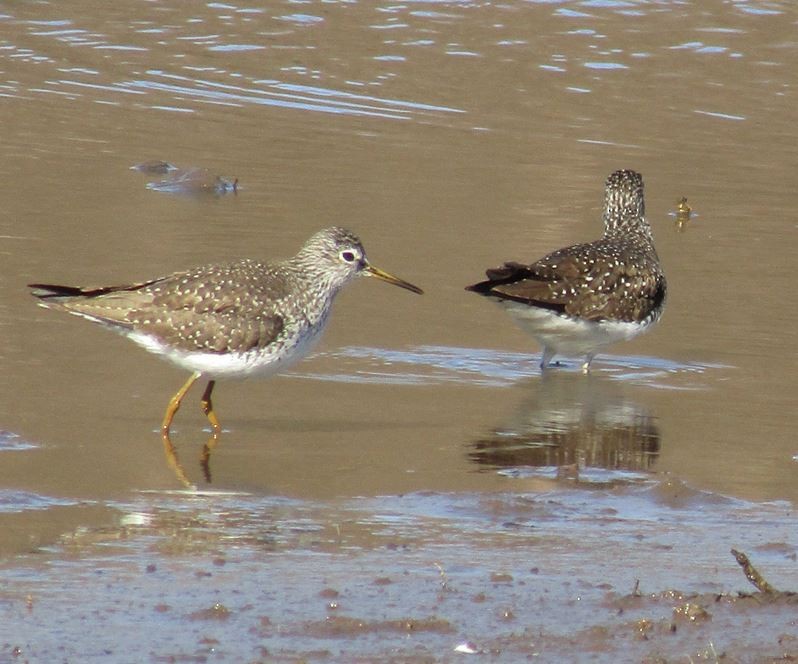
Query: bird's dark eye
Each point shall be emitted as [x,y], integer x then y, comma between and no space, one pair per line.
[348,256]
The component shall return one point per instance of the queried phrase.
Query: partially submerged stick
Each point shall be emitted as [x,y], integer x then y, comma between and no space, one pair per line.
[752,574]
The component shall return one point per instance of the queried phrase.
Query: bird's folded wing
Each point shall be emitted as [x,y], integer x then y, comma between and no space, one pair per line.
[574,285]
[211,332]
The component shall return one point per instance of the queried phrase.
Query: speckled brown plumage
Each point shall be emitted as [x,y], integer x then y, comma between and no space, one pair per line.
[231,320]
[616,279]
[238,307]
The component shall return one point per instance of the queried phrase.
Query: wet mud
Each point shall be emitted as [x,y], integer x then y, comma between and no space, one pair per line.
[621,574]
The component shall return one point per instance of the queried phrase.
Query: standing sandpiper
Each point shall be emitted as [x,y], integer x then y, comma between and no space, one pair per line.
[578,299]
[235,320]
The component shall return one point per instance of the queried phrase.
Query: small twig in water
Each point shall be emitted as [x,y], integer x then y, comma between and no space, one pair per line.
[752,574]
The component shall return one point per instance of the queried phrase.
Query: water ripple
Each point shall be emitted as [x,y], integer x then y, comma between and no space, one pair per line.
[23,501]
[490,368]
[9,441]
[283,94]
[723,116]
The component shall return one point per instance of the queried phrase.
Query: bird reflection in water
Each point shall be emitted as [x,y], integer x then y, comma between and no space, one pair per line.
[173,461]
[571,422]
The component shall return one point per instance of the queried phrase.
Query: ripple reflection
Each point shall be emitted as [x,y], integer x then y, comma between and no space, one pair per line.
[491,368]
[585,422]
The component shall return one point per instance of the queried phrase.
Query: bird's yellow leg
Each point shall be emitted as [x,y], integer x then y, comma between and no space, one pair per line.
[207,408]
[174,404]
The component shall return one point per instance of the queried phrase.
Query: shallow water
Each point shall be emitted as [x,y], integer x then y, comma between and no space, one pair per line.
[451,136]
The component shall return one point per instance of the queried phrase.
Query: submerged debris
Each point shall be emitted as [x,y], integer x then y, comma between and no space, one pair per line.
[154,166]
[186,180]
[195,181]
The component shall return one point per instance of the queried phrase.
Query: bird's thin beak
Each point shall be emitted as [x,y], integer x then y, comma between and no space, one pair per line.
[371,271]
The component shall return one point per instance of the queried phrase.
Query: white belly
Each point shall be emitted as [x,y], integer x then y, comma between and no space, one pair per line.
[569,336]
[276,358]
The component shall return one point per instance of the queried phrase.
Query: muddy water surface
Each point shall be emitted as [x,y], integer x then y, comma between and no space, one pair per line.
[417,485]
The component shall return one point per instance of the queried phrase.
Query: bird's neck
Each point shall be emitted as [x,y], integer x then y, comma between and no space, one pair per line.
[628,227]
